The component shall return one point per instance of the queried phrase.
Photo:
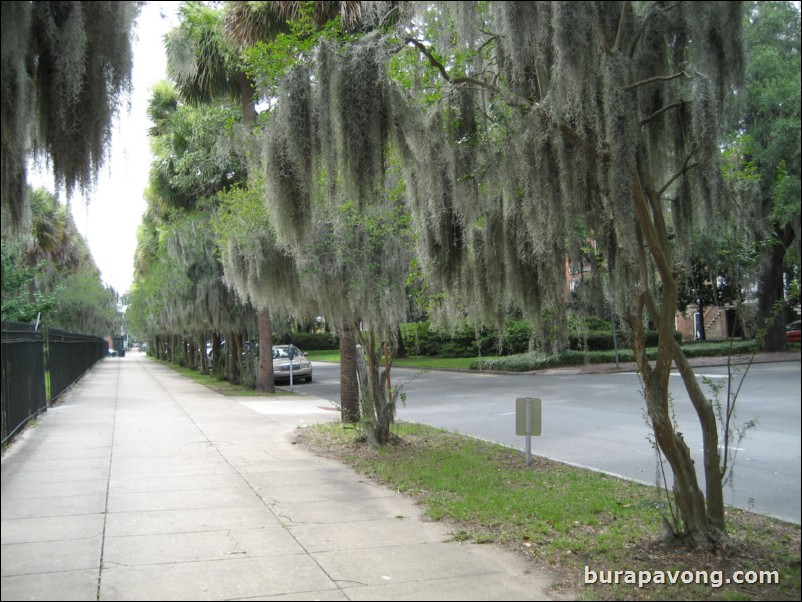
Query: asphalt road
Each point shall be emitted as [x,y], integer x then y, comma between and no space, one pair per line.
[598,421]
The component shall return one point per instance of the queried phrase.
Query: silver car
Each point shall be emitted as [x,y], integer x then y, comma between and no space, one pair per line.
[301,367]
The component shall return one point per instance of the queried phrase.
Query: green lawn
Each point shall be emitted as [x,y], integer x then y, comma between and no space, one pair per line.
[564,517]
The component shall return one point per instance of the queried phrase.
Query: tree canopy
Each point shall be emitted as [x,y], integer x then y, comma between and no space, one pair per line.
[523,130]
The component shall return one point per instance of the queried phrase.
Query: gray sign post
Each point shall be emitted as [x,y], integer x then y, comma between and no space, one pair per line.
[527,421]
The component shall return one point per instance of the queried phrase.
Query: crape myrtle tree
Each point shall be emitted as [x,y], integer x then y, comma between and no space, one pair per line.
[65,69]
[524,128]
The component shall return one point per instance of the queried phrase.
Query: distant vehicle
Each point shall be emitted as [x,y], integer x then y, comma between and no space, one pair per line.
[283,356]
[119,345]
[793,332]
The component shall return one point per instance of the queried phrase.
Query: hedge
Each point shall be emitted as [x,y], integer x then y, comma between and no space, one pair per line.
[537,361]
[420,339]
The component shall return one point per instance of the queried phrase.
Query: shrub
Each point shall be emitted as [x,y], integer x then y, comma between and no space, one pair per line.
[317,341]
[421,339]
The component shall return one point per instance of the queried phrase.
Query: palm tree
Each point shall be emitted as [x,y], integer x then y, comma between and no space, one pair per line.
[247,23]
[205,68]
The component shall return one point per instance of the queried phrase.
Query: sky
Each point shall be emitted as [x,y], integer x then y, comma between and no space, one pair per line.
[108,218]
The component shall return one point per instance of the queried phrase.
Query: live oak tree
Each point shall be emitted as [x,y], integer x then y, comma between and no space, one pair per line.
[336,198]
[523,129]
[49,274]
[204,63]
[769,129]
[274,36]
[179,289]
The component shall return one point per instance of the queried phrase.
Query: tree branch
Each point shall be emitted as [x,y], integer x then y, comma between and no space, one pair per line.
[659,112]
[685,167]
[652,227]
[644,22]
[433,61]
[620,33]
[656,78]
[520,103]
[605,46]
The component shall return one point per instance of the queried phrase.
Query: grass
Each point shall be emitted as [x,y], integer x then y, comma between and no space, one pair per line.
[219,386]
[565,517]
[413,361]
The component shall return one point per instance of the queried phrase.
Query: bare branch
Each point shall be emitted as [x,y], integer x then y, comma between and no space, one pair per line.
[656,78]
[427,53]
[645,21]
[520,103]
[605,46]
[659,112]
[685,168]
[620,33]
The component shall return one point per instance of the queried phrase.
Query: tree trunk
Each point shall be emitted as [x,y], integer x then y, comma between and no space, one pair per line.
[349,385]
[701,335]
[771,290]
[687,494]
[218,361]
[233,347]
[204,358]
[377,398]
[265,382]
[401,350]
[714,485]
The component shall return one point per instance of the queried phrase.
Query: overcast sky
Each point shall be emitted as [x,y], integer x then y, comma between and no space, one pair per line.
[110,218]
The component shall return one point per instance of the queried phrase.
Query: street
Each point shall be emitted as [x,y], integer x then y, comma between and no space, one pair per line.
[598,421]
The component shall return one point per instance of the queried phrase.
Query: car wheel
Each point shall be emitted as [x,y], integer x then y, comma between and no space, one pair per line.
[309,378]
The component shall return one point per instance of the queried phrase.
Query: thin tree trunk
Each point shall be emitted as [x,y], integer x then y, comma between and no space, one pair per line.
[714,487]
[218,361]
[377,399]
[687,494]
[349,384]
[203,364]
[233,347]
[265,381]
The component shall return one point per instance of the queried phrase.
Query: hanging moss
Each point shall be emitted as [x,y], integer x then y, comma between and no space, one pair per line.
[66,67]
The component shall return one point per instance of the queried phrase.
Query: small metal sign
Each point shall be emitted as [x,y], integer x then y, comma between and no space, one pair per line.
[527,421]
[527,413]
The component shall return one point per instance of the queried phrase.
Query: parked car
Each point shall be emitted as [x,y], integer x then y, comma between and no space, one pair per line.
[301,367]
[793,332]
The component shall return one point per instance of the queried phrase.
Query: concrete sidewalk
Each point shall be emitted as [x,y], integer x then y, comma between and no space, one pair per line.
[143,485]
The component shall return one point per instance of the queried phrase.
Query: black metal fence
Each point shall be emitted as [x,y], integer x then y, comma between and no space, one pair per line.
[28,357]
[70,356]
[23,388]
